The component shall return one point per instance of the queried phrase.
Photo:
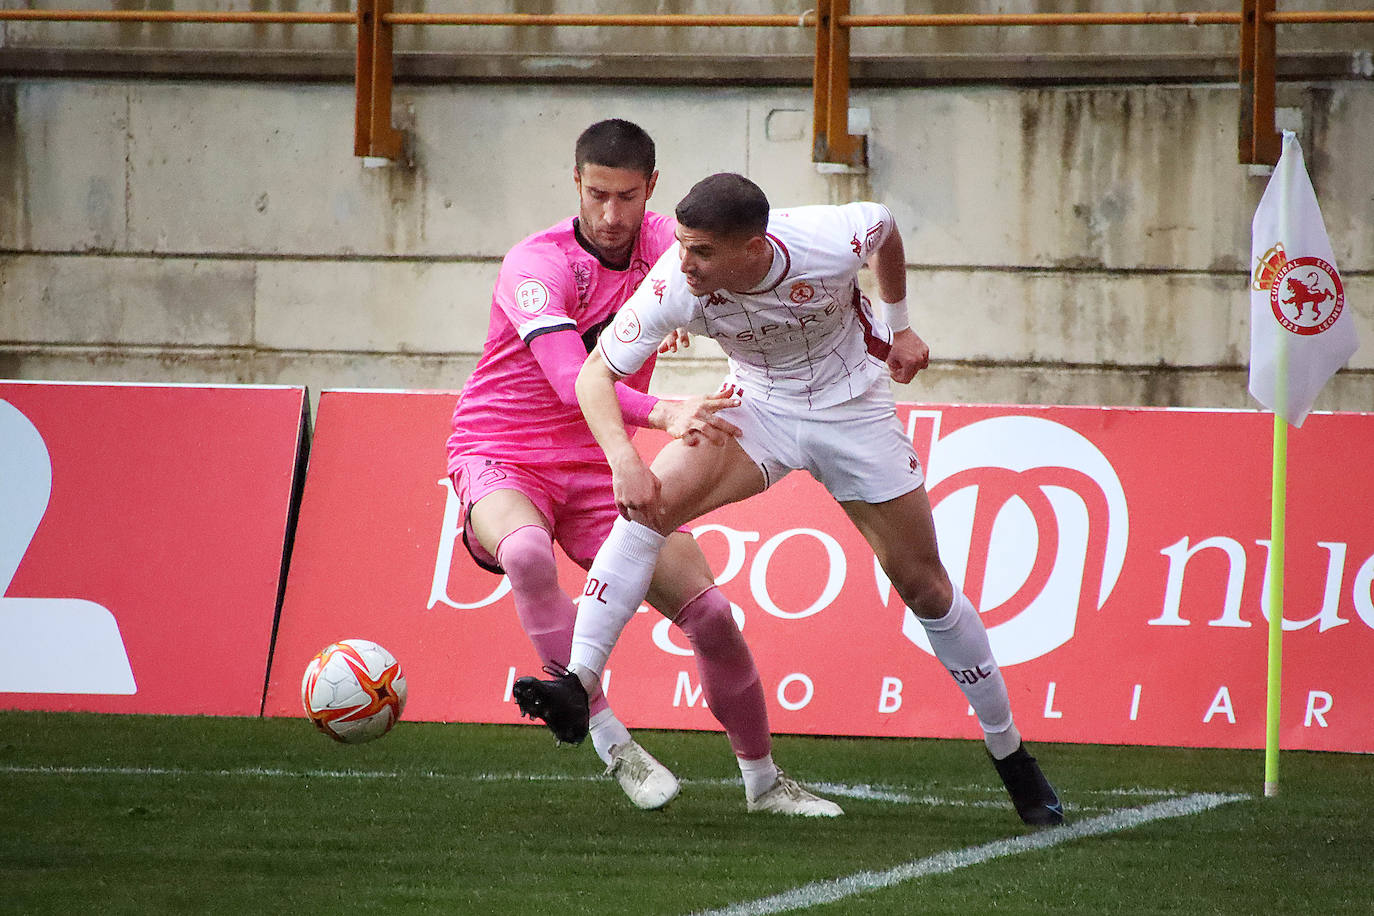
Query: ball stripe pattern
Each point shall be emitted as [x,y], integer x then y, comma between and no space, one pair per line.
[353,691]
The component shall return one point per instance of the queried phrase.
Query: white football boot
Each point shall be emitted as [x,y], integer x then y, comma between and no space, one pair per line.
[648,783]
[787,797]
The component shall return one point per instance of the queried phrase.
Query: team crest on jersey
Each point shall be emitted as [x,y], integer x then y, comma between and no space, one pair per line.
[871,236]
[627,326]
[532,297]
[801,292]
[1305,293]
[582,279]
[639,269]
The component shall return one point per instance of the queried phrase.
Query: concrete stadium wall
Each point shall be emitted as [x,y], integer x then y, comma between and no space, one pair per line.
[1076,244]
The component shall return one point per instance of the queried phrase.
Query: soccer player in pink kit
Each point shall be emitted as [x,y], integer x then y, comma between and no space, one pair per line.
[528,471]
[778,289]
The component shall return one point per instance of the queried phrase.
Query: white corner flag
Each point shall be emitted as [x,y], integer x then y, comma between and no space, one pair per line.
[1300,330]
[1300,334]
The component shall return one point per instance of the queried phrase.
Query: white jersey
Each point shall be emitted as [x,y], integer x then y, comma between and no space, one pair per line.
[806,338]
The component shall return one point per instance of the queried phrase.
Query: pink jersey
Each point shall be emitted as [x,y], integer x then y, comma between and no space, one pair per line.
[548,282]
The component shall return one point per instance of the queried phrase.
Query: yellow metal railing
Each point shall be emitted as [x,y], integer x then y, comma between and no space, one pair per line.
[374,135]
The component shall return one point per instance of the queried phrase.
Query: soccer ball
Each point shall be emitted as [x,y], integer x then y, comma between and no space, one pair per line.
[354,691]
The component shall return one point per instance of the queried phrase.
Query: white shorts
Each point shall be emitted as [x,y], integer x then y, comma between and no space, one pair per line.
[858,449]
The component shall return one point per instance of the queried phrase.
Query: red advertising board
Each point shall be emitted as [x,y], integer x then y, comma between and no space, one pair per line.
[1118,557]
[142,529]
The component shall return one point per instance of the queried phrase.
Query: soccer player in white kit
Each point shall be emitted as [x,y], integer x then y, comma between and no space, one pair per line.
[778,290]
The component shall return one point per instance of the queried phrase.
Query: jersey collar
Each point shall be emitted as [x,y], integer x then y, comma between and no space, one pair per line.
[777,271]
[591,249]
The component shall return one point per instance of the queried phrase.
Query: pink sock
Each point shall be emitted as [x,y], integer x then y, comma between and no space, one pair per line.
[546,613]
[729,678]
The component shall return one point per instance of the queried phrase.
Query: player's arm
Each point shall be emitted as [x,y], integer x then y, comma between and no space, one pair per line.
[560,355]
[535,292]
[909,353]
[635,487]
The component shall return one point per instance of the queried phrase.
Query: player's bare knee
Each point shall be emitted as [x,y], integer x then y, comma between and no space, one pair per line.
[929,595]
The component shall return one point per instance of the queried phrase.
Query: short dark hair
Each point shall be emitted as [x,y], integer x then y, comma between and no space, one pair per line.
[725,204]
[615,144]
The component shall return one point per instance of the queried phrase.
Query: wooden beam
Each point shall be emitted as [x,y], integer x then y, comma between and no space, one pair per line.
[373,135]
[831,140]
[1259,143]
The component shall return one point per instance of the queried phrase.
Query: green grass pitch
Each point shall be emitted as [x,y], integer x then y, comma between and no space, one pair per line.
[149,814]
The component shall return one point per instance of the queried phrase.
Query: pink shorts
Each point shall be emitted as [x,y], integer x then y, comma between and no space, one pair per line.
[576,500]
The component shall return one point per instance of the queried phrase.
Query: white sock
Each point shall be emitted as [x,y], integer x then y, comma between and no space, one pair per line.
[616,586]
[1004,743]
[961,644]
[608,733]
[759,775]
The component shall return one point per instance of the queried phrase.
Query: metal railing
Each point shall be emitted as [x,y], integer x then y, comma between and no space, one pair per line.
[376,137]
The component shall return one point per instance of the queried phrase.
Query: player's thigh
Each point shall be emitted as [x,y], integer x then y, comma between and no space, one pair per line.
[682,573]
[699,478]
[499,512]
[901,532]
[586,512]
[860,451]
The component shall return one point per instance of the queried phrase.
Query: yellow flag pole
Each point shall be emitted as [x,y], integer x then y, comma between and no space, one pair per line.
[1278,511]
[1277,517]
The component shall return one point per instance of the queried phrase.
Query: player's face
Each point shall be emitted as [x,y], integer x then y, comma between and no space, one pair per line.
[711,262]
[612,207]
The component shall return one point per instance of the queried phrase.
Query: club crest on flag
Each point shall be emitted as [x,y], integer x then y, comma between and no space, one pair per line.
[1305,294]
[1267,267]
[1301,334]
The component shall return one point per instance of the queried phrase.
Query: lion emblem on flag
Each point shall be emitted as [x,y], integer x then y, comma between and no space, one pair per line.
[1308,292]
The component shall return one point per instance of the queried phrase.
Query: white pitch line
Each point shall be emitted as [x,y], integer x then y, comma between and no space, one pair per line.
[822,892]
[275,772]
[896,795]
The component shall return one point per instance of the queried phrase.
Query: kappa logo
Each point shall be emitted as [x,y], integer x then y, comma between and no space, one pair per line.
[659,287]
[1305,293]
[718,299]
[1033,525]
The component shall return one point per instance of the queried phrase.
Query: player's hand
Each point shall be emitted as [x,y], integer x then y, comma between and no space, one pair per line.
[637,490]
[909,355]
[697,419]
[675,339]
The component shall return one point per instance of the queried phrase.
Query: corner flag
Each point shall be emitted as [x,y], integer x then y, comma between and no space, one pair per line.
[1300,334]
[1300,330]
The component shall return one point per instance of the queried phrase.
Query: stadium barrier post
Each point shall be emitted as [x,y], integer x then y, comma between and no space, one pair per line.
[1260,143]
[373,136]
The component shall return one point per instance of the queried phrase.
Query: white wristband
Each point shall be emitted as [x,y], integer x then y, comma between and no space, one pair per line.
[894,313]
